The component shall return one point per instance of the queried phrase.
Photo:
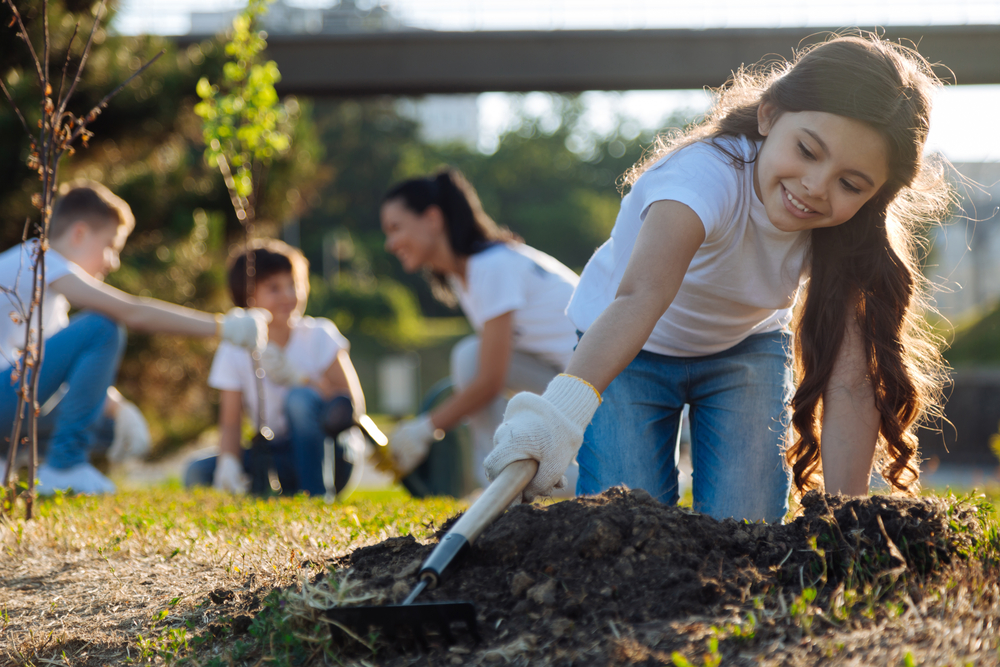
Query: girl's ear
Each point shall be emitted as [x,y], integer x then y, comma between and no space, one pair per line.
[767,113]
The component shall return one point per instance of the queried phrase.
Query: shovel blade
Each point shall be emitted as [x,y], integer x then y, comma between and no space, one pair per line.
[418,618]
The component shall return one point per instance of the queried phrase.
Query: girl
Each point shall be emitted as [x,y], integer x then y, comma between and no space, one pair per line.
[308,381]
[514,296]
[809,172]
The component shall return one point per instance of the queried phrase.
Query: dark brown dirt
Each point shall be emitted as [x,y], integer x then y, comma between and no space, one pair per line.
[565,581]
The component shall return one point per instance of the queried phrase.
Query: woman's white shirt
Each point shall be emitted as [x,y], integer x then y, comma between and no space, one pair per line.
[535,287]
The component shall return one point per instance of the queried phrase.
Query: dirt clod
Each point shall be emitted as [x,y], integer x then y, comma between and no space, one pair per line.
[544,593]
[241,624]
[221,596]
[521,582]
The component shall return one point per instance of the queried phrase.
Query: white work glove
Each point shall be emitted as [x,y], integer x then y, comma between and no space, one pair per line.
[229,475]
[131,434]
[278,369]
[411,441]
[246,327]
[547,428]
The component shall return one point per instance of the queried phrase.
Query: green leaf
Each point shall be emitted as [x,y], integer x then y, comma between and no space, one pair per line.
[204,89]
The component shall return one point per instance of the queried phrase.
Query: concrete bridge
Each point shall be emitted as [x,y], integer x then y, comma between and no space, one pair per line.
[418,62]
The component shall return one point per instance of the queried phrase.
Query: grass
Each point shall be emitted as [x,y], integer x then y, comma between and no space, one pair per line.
[132,577]
[975,340]
[167,576]
[169,521]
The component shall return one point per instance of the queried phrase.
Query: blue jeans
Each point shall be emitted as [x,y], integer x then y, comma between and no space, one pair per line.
[85,355]
[297,456]
[739,419]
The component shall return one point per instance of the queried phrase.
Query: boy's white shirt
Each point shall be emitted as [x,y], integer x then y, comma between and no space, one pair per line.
[313,345]
[16,275]
[535,287]
[742,281]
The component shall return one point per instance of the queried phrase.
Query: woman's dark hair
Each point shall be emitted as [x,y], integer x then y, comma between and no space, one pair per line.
[869,266]
[469,228]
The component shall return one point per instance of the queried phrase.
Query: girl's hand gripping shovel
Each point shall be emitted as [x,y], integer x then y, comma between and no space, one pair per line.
[389,618]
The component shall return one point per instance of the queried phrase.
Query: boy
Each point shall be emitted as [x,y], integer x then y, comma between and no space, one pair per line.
[311,389]
[87,230]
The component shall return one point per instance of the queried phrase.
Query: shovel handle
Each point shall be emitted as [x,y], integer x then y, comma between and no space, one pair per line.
[495,499]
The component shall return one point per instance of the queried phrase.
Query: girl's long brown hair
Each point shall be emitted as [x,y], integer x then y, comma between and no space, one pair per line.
[868,267]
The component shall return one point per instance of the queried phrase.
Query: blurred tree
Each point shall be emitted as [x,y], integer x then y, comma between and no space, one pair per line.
[976,342]
[148,149]
[367,142]
[560,200]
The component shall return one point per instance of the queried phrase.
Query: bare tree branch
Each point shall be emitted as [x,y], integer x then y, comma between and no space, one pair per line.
[65,69]
[10,99]
[24,36]
[100,106]
[45,50]
[83,57]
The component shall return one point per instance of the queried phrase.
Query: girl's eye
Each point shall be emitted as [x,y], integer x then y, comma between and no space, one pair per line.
[850,187]
[806,152]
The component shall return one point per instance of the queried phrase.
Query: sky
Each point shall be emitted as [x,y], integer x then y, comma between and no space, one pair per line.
[963,122]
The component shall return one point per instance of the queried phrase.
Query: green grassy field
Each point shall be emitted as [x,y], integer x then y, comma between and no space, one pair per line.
[169,576]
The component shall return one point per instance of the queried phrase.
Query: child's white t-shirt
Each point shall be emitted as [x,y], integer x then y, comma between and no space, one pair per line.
[312,346]
[513,277]
[15,278]
[744,278]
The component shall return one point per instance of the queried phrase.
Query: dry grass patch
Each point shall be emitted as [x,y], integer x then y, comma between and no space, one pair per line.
[148,576]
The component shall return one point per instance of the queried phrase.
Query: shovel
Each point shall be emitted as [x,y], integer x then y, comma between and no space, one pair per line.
[416,616]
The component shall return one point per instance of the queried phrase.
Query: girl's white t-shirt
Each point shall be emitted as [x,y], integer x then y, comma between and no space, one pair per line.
[312,346]
[16,266]
[744,278]
[513,277]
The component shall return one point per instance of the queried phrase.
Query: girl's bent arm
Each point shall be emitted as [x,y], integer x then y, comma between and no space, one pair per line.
[495,345]
[850,419]
[341,378]
[137,314]
[670,236]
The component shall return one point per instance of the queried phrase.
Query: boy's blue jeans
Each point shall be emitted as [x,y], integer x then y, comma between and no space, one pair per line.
[85,355]
[739,419]
[297,456]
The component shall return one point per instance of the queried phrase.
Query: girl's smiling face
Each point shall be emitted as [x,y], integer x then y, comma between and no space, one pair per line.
[816,169]
[276,294]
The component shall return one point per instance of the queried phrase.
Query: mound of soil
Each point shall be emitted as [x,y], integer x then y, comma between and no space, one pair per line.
[566,575]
